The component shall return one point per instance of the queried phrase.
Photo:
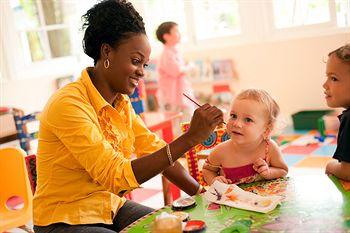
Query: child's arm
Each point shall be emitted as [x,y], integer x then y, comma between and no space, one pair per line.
[339,169]
[277,168]
[211,169]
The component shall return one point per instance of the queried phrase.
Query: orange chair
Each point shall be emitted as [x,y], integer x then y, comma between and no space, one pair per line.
[14,183]
[218,136]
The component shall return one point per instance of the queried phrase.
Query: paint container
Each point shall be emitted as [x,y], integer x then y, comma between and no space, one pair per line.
[194,226]
[183,203]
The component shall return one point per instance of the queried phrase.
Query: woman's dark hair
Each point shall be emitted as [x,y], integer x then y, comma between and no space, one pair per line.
[164,28]
[110,22]
[343,53]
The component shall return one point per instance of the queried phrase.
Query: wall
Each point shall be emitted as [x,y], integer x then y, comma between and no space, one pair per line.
[28,94]
[291,70]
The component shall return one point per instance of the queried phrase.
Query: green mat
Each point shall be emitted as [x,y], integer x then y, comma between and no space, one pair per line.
[313,202]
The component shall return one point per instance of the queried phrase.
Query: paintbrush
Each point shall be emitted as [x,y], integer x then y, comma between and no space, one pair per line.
[196,103]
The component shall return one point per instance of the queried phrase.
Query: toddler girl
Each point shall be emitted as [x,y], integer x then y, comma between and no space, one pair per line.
[249,155]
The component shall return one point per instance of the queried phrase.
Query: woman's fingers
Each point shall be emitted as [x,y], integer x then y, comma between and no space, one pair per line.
[205,106]
[204,121]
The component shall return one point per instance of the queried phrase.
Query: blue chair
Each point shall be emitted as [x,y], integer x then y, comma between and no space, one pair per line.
[137,98]
[22,133]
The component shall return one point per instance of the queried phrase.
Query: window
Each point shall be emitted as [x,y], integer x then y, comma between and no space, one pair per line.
[41,38]
[43,29]
[216,18]
[292,13]
[343,12]
[156,12]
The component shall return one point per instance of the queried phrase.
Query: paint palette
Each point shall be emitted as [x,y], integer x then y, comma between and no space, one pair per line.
[183,203]
[234,196]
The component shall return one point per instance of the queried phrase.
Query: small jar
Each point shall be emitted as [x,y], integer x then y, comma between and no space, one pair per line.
[168,224]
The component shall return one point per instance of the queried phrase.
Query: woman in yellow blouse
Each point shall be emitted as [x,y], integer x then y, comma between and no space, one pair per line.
[89,131]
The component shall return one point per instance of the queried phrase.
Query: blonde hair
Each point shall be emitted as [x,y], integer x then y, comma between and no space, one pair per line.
[264,98]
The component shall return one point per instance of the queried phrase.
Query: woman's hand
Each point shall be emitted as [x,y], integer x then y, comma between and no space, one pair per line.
[261,167]
[203,123]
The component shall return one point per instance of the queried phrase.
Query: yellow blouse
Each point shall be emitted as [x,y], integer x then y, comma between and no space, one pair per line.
[84,152]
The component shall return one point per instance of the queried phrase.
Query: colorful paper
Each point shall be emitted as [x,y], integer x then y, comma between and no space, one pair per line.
[232,195]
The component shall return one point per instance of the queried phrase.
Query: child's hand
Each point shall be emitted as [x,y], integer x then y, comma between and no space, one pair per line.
[261,167]
[331,165]
[222,179]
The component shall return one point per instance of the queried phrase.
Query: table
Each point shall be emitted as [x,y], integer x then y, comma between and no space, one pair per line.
[313,202]
[163,121]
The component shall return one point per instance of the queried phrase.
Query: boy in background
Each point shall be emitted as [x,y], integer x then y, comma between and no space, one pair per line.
[172,71]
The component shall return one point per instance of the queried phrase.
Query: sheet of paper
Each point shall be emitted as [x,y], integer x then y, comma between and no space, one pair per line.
[232,195]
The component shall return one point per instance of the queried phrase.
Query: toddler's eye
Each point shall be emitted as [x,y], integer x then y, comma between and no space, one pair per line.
[145,65]
[233,116]
[248,119]
[334,79]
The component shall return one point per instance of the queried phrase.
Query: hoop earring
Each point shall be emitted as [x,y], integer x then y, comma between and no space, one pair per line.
[106,63]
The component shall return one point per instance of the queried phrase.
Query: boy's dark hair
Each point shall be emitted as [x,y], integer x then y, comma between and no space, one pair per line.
[164,28]
[110,22]
[343,53]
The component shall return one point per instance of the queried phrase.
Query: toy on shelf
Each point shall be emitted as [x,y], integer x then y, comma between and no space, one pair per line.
[322,131]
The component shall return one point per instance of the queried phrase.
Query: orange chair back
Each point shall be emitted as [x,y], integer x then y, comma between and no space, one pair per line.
[14,183]
[219,135]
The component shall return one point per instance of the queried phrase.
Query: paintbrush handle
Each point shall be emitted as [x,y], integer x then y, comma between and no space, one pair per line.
[191,100]
[196,103]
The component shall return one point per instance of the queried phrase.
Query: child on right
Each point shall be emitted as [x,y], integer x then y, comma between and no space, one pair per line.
[337,94]
[249,155]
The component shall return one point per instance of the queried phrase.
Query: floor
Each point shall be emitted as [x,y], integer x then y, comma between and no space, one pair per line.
[299,149]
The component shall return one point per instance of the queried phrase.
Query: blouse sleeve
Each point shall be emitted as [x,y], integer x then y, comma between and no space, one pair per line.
[146,142]
[72,122]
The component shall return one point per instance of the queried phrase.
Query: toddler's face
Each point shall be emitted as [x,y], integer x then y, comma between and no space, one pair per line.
[337,85]
[173,37]
[248,121]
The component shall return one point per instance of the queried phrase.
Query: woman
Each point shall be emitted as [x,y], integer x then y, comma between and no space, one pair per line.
[88,132]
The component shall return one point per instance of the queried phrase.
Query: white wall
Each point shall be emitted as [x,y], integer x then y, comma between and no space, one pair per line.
[291,70]
[28,94]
